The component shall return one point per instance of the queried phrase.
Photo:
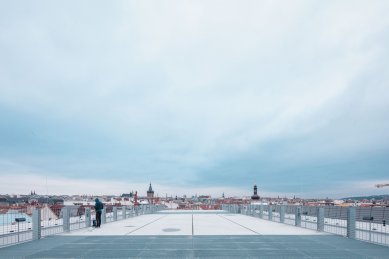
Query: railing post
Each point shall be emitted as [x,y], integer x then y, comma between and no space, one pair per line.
[124,213]
[270,212]
[351,214]
[87,217]
[66,219]
[320,219]
[36,224]
[115,213]
[282,214]
[297,217]
[103,216]
[261,211]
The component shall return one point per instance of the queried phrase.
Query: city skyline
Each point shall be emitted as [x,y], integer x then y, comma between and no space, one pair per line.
[200,97]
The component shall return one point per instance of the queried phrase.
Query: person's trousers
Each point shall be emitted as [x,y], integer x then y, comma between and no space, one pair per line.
[98,218]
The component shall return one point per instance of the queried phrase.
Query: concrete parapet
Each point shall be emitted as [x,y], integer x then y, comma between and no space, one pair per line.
[87,217]
[36,224]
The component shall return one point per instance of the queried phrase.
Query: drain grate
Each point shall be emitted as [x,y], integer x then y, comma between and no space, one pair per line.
[171,229]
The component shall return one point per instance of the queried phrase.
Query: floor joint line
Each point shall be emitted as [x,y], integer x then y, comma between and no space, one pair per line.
[239,224]
[145,225]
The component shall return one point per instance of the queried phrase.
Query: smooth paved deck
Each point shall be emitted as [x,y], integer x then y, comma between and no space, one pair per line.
[196,223]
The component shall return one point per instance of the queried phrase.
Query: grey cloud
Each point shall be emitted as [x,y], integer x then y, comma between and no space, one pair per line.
[175,92]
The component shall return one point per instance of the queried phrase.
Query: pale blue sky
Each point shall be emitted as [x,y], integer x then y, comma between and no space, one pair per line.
[195,96]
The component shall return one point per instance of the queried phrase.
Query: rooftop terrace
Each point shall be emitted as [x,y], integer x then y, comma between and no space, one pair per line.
[193,234]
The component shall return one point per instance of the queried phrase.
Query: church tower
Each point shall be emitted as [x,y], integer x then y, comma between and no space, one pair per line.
[150,194]
[255,195]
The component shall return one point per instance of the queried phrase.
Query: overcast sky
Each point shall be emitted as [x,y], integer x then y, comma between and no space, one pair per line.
[195,97]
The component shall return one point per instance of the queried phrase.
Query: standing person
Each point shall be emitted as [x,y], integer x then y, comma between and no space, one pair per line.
[99,208]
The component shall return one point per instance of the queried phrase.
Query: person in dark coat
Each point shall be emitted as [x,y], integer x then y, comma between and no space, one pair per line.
[99,208]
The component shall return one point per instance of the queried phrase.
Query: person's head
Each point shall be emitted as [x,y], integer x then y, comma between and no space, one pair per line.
[97,199]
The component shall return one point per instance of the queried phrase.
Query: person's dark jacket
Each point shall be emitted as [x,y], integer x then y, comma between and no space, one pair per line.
[99,205]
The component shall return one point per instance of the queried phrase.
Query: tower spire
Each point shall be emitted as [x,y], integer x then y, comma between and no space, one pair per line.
[255,195]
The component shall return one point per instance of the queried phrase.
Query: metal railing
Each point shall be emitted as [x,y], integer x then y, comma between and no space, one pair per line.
[363,223]
[32,223]
[15,226]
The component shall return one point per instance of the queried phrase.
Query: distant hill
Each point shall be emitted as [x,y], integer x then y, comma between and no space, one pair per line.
[375,197]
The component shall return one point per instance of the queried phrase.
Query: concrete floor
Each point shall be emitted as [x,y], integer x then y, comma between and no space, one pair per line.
[248,246]
[195,224]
